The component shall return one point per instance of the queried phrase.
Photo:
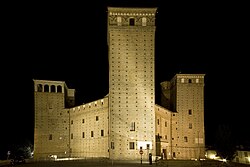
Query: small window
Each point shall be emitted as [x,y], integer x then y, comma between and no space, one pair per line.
[83,121]
[132,126]
[182,80]
[132,145]
[166,124]
[185,139]
[92,133]
[189,80]
[190,126]
[102,132]
[119,21]
[71,122]
[112,145]
[197,80]
[71,136]
[131,21]
[96,118]
[83,135]
[50,137]
[189,112]
[144,21]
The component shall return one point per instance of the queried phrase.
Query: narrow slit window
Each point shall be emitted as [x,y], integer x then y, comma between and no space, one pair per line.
[119,21]
[132,126]
[144,21]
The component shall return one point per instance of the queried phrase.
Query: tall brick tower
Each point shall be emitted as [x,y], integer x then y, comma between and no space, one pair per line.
[131,50]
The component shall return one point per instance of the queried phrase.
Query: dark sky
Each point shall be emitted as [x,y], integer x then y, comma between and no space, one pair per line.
[68,42]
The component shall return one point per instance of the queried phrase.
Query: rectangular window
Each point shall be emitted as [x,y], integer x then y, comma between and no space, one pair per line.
[132,145]
[158,122]
[92,133]
[189,112]
[112,145]
[119,21]
[83,121]
[83,135]
[71,122]
[131,21]
[132,126]
[190,126]
[144,21]
[50,137]
[185,139]
[166,124]
[96,118]
[102,132]
[71,136]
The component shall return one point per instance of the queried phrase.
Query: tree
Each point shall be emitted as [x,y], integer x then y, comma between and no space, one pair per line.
[225,143]
[23,148]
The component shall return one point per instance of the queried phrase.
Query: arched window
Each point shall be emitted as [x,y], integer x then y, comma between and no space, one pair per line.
[46,88]
[53,88]
[40,88]
[59,89]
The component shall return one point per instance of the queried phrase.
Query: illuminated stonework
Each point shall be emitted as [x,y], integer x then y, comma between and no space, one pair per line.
[127,119]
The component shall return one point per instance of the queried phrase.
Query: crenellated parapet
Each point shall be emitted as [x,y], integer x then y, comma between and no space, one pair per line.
[131,16]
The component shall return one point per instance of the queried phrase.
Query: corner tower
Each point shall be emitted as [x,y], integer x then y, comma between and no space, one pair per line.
[131,49]
[187,99]
[51,128]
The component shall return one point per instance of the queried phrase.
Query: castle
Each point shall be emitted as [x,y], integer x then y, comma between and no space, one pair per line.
[126,124]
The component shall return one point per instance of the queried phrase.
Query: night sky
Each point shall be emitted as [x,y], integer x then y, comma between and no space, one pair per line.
[68,42]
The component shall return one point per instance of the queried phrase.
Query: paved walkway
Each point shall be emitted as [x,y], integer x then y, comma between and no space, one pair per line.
[109,163]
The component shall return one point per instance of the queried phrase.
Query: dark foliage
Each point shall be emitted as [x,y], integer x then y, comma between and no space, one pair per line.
[225,143]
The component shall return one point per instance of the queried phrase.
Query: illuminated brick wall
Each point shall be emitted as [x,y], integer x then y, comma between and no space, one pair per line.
[131,41]
[51,119]
[188,102]
[89,129]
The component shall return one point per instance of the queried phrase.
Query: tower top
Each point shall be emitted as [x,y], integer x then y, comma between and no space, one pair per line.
[132,11]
